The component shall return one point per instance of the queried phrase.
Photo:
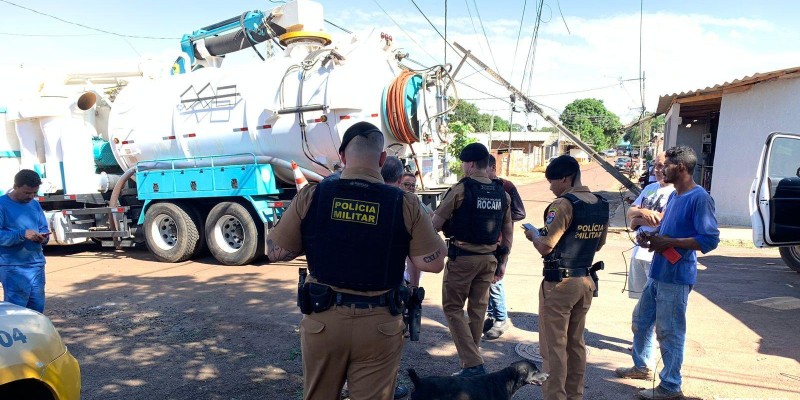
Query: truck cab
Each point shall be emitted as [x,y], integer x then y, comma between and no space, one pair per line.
[775,197]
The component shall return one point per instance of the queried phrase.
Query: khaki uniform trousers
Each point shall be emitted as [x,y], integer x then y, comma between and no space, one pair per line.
[467,279]
[363,346]
[562,317]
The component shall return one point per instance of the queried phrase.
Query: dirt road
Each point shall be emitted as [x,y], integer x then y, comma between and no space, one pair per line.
[197,330]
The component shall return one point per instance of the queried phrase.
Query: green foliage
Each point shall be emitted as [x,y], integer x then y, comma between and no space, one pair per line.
[589,119]
[461,138]
[634,134]
[469,113]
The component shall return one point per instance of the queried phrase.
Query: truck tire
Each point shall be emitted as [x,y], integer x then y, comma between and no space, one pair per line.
[232,235]
[791,256]
[171,233]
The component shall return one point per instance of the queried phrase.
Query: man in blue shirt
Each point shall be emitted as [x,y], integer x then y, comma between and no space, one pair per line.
[689,225]
[23,233]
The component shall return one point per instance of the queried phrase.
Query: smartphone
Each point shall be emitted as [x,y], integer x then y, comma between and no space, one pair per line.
[528,226]
[671,255]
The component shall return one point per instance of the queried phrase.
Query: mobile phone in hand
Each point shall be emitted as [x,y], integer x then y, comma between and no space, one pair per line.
[528,226]
[671,255]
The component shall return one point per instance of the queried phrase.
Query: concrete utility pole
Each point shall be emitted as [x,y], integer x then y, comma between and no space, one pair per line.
[531,106]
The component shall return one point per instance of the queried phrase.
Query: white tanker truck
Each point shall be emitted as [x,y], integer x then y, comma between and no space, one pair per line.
[201,157]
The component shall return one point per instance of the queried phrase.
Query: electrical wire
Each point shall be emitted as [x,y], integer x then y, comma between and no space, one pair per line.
[562,17]
[36,35]
[337,26]
[519,33]
[404,31]
[86,26]
[440,35]
[489,45]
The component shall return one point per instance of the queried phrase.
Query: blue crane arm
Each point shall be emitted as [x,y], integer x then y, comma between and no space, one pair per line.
[228,36]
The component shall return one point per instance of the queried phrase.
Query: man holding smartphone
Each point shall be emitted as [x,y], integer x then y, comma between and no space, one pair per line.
[23,234]
[689,224]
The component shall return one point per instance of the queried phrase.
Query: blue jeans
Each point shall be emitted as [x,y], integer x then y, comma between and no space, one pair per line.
[23,286]
[497,302]
[663,306]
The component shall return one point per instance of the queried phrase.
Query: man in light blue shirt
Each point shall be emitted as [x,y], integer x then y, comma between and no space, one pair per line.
[689,225]
[23,233]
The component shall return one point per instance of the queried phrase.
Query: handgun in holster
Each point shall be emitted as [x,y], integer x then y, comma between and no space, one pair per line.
[303,300]
[413,312]
[598,266]
[500,253]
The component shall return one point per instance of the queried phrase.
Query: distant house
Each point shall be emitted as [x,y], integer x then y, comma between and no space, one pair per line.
[527,149]
[727,125]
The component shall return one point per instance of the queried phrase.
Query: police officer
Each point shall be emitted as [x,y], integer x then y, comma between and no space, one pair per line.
[472,214]
[356,233]
[575,227]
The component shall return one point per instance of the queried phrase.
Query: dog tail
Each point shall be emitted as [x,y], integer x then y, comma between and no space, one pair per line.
[414,378]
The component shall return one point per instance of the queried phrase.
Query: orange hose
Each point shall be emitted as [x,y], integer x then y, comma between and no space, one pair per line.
[396,112]
[396,115]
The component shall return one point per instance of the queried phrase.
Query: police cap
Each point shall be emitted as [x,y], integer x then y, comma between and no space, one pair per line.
[562,167]
[359,129]
[473,152]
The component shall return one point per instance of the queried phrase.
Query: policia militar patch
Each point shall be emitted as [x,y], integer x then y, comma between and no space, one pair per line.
[348,210]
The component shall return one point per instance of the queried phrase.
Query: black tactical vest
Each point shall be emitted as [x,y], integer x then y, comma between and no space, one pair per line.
[354,235]
[578,245]
[479,219]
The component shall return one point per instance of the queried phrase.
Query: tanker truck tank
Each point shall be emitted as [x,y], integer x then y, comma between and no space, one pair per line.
[292,108]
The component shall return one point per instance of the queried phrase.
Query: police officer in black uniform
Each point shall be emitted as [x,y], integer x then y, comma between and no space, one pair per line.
[575,228]
[472,214]
[356,233]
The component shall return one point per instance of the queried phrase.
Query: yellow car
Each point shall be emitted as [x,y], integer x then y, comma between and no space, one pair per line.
[34,363]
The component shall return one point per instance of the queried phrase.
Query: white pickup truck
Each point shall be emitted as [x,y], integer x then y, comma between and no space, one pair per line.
[775,197]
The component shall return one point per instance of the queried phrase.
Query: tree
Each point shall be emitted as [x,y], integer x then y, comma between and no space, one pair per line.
[592,122]
[469,113]
[461,138]
[634,133]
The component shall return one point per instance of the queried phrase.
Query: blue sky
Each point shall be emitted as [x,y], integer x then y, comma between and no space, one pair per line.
[686,44]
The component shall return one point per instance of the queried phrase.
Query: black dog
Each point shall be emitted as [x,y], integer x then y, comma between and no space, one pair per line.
[500,385]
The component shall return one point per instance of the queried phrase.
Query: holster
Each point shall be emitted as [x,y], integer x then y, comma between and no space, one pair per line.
[598,266]
[500,253]
[303,300]
[399,299]
[321,297]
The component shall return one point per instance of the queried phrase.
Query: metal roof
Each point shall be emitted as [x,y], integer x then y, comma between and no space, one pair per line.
[666,101]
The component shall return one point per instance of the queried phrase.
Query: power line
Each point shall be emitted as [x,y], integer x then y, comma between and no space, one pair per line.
[86,26]
[586,90]
[443,38]
[519,33]
[404,31]
[489,45]
[562,17]
[37,35]
[337,26]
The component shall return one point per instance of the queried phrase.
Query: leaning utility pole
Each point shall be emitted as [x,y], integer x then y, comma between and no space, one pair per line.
[531,106]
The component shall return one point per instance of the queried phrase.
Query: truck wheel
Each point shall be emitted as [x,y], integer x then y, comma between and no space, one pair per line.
[791,256]
[172,235]
[232,235]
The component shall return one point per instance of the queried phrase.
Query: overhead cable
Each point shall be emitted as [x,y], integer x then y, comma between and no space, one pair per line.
[480,20]
[88,27]
[519,33]
[404,31]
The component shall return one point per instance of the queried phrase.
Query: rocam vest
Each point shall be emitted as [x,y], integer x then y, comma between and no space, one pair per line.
[578,245]
[479,219]
[354,236]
